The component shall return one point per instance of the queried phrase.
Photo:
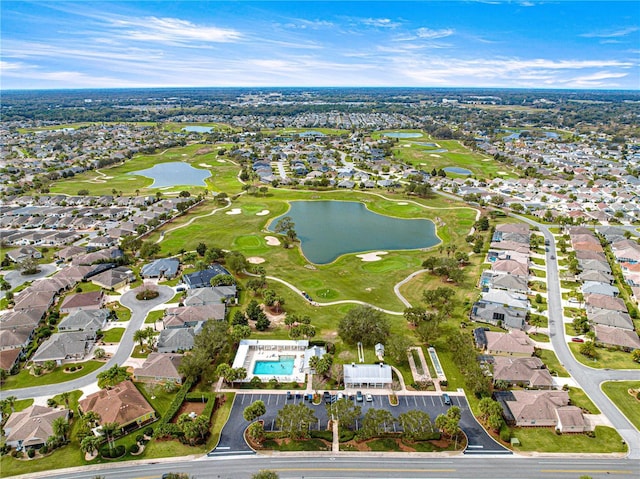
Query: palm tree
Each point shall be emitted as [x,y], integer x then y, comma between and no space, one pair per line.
[65,397]
[60,428]
[90,444]
[140,336]
[91,418]
[108,430]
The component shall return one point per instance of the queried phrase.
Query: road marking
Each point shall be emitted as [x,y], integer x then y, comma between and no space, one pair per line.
[223,448]
[359,469]
[585,471]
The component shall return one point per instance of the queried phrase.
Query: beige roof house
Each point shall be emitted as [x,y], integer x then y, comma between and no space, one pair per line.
[528,372]
[536,408]
[570,419]
[622,338]
[603,301]
[122,404]
[34,299]
[513,343]
[83,301]
[159,367]
[32,426]
[511,266]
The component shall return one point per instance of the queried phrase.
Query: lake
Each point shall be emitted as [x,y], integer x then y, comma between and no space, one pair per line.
[400,134]
[457,170]
[174,173]
[329,229]
[198,129]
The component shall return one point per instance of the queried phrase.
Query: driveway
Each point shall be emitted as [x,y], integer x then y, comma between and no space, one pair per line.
[232,436]
[139,310]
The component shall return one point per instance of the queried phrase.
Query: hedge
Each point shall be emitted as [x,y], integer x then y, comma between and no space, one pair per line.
[211,400]
[116,452]
[176,403]
[326,435]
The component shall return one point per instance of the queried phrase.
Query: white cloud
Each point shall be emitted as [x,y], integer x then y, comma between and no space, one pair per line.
[379,22]
[173,31]
[622,32]
[433,34]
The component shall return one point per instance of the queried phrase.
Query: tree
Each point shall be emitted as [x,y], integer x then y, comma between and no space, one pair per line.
[90,444]
[60,427]
[345,412]
[112,376]
[286,226]
[255,284]
[222,280]
[255,431]
[239,319]
[364,324]
[64,396]
[109,430]
[491,412]
[28,266]
[201,249]
[396,348]
[265,474]
[130,243]
[91,418]
[236,262]
[588,349]
[239,332]
[416,425]
[99,353]
[294,420]
[148,249]
[635,355]
[449,423]
[195,365]
[414,315]
[262,323]
[375,423]
[254,411]
[140,336]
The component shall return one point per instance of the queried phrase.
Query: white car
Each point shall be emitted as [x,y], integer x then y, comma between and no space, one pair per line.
[369,398]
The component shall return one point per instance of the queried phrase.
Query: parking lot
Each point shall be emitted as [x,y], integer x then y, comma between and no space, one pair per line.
[232,439]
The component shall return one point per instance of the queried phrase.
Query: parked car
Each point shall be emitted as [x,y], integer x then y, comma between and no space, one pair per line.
[446,399]
[289,396]
[577,340]
[359,397]
[369,398]
[340,396]
[327,397]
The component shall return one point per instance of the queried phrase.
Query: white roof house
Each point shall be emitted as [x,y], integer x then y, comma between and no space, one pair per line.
[367,375]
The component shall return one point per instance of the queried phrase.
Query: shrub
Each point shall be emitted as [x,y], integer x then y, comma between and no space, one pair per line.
[140,438]
[346,435]
[326,435]
[505,433]
[148,431]
[134,448]
[44,449]
[31,453]
[444,383]
[116,452]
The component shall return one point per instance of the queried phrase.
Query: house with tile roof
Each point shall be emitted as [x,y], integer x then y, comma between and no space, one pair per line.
[122,404]
[32,426]
[159,368]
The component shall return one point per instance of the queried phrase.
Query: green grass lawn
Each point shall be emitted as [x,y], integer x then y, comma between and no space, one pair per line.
[542,439]
[113,335]
[124,314]
[628,404]
[539,337]
[605,359]
[22,404]
[579,398]
[551,360]
[24,379]
[154,316]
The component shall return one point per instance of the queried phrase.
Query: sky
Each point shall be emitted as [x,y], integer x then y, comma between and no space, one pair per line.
[505,44]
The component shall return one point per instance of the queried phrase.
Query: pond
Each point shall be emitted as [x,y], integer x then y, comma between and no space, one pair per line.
[329,229]
[457,170]
[401,134]
[174,173]
[198,129]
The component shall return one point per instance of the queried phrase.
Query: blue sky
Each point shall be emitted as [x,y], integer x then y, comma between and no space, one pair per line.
[84,44]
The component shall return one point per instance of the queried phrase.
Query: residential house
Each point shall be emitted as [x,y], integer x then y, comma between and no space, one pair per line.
[509,282]
[89,321]
[10,358]
[28,299]
[513,343]
[202,279]
[510,266]
[83,301]
[114,279]
[210,295]
[175,340]
[506,298]
[615,319]
[602,301]
[122,404]
[596,287]
[65,347]
[32,426]
[528,372]
[624,339]
[161,268]
[498,315]
[22,253]
[533,408]
[193,316]
[159,367]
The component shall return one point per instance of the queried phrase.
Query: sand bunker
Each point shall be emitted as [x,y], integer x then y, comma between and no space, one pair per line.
[255,260]
[204,164]
[407,145]
[222,161]
[262,213]
[375,256]
[235,211]
[435,156]
[402,203]
[502,173]
[272,240]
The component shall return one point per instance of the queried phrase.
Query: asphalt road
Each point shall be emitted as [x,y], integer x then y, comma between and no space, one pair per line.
[358,465]
[232,439]
[588,378]
[139,310]
[15,278]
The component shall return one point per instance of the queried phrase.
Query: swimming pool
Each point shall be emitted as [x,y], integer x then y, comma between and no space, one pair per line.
[283,366]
